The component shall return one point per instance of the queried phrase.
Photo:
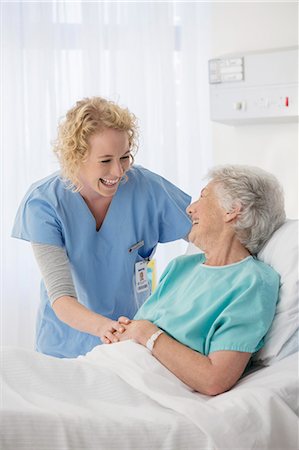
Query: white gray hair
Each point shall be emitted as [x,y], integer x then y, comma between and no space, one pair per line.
[260,197]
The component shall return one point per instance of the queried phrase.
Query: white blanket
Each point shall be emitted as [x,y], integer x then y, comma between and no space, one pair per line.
[120,396]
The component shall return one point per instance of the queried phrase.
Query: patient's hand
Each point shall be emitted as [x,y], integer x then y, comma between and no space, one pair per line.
[139,330]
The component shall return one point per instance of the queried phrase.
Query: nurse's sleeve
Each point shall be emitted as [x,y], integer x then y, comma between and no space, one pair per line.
[247,320]
[172,202]
[37,221]
[55,268]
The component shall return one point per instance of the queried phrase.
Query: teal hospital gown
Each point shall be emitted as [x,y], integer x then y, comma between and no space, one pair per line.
[212,308]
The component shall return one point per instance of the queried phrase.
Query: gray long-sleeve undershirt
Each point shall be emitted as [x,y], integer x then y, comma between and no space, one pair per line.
[54,266]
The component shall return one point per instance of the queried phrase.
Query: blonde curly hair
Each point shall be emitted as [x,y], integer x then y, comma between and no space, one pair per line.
[87,117]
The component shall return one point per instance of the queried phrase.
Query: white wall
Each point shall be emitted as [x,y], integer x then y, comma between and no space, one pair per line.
[248,26]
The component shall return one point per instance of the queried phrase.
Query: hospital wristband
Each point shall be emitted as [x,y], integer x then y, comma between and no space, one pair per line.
[151,341]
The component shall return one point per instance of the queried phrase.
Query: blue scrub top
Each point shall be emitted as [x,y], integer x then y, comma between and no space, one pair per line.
[146,208]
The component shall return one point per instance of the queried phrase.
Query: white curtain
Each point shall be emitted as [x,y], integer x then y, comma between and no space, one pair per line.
[149,56]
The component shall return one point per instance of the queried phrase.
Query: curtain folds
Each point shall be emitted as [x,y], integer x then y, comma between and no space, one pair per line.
[148,56]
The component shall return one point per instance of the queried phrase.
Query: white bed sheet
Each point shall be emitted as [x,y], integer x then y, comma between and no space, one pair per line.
[120,396]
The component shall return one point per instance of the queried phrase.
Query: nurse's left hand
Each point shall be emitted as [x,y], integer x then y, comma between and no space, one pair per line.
[139,330]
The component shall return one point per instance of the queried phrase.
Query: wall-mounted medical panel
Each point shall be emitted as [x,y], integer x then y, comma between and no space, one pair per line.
[255,87]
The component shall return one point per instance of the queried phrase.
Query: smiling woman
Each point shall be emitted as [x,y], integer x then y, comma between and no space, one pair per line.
[205,214]
[83,223]
[103,169]
[108,160]
[64,51]
[95,132]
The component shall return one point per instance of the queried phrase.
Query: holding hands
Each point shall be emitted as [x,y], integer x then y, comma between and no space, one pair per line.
[124,329]
[109,329]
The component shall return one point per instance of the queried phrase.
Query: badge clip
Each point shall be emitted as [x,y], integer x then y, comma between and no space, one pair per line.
[136,246]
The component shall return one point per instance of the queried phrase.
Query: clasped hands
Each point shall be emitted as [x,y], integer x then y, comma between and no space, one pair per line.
[124,329]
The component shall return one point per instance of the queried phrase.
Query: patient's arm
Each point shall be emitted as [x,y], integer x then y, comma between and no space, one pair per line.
[211,375]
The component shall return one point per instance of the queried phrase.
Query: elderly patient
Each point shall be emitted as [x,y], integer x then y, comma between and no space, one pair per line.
[211,310]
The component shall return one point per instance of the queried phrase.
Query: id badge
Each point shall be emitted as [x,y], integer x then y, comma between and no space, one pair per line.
[141,276]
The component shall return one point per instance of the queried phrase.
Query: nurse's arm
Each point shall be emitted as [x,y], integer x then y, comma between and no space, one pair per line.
[77,316]
[210,375]
[54,266]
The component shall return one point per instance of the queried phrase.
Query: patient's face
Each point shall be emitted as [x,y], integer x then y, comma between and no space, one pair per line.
[207,217]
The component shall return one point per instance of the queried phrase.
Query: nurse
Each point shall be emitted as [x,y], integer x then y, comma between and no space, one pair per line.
[93,226]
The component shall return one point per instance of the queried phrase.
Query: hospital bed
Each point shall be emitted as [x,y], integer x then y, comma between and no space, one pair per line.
[119,396]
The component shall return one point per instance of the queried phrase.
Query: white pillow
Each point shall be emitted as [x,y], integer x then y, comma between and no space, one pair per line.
[281,253]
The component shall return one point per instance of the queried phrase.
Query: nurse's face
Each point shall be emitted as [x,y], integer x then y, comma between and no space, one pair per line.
[108,160]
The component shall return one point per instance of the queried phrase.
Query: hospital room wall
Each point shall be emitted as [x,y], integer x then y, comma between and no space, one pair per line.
[248,26]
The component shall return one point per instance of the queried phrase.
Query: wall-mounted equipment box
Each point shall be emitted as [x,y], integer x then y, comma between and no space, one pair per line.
[255,87]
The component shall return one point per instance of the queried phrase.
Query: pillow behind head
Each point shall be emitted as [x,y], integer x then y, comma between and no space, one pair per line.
[281,253]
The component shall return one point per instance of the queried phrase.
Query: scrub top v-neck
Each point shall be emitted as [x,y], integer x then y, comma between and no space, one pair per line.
[147,208]
[89,213]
